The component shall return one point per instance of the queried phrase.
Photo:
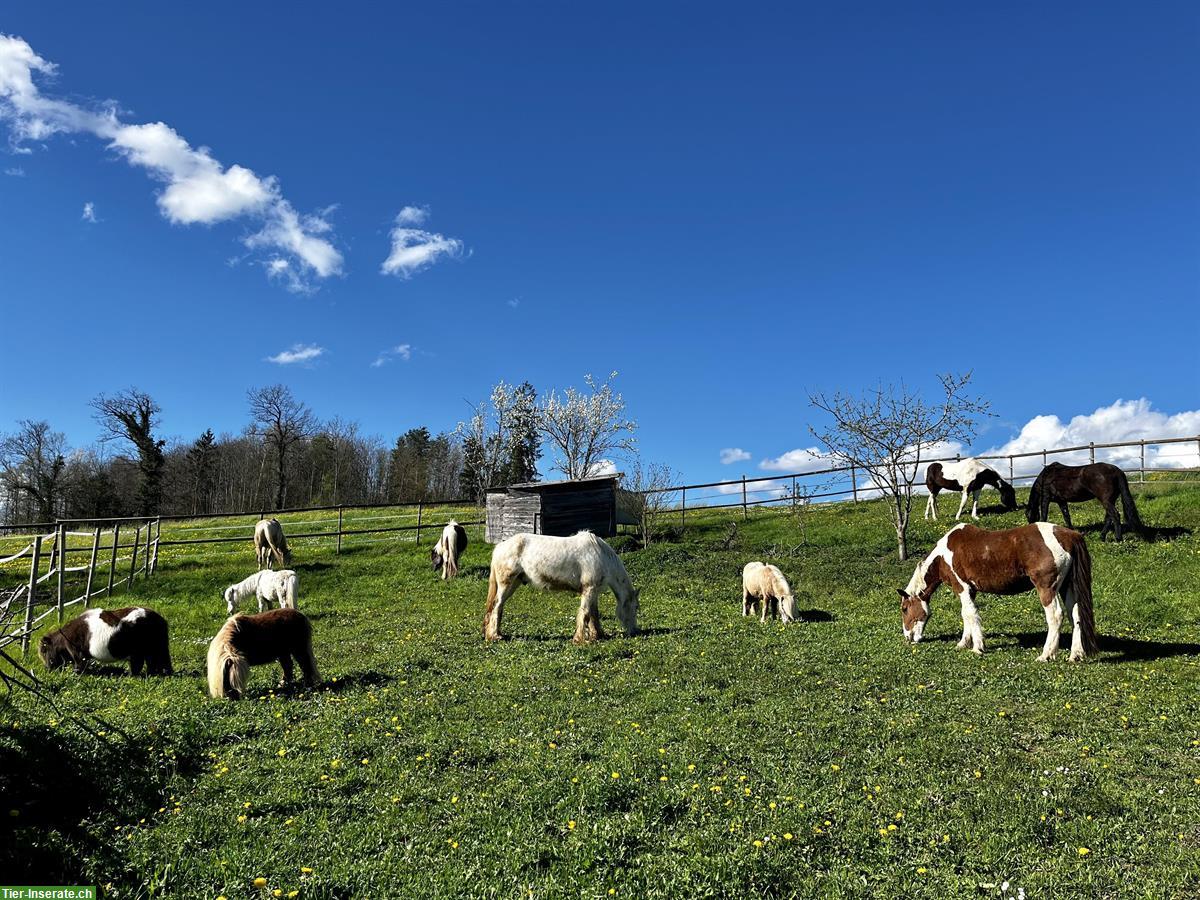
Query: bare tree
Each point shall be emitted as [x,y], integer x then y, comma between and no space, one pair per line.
[585,429]
[132,415]
[885,433]
[645,497]
[32,462]
[283,421]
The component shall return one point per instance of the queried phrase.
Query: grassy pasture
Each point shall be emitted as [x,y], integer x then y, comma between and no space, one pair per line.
[712,756]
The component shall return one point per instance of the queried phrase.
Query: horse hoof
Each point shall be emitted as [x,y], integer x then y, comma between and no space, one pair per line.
[1043,658]
[977,651]
[961,645]
[1077,657]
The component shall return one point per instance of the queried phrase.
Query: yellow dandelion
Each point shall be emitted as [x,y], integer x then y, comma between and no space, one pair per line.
[1084,851]
[787,835]
[260,882]
[835,767]
[306,870]
[571,825]
[616,774]
[758,843]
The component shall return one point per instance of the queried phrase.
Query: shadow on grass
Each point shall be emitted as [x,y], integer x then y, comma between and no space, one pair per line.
[355,680]
[815,615]
[314,567]
[1113,649]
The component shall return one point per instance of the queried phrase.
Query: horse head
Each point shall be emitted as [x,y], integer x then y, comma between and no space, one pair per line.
[1008,496]
[53,651]
[914,613]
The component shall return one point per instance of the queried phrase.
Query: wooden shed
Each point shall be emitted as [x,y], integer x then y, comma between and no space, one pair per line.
[553,507]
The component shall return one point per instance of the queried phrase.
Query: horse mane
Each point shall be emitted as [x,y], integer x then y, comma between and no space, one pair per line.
[227,667]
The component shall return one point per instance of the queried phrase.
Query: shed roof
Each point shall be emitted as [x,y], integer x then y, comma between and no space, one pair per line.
[564,484]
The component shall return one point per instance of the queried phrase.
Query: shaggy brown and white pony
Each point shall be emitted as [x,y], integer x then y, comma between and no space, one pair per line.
[270,544]
[582,562]
[281,587]
[765,584]
[449,549]
[1052,559]
[134,633]
[245,641]
[969,476]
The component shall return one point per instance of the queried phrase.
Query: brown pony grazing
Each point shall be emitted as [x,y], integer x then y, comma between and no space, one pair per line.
[108,636]
[1078,484]
[245,641]
[270,544]
[967,559]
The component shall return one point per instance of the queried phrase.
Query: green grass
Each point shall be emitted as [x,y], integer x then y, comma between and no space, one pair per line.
[711,756]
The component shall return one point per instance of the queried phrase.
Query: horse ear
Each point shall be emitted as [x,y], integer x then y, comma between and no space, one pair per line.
[903,593]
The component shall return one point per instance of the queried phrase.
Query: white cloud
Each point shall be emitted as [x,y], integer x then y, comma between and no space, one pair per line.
[401,351]
[198,188]
[299,353]
[799,460]
[89,212]
[15,172]
[756,491]
[514,302]
[414,248]
[732,455]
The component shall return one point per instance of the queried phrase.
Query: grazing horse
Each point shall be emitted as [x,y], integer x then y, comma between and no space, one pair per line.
[134,633]
[449,549]
[766,584]
[245,641]
[582,562]
[1078,484]
[1052,559]
[969,476]
[270,544]
[280,587]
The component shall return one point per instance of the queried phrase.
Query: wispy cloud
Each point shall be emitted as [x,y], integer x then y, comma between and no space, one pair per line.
[732,455]
[514,302]
[400,351]
[15,172]
[414,248]
[299,353]
[803,459]
[198,189]
[89,212]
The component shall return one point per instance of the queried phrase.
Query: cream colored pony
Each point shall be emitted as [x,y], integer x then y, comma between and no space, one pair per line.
[582,563]
[449,549]
[765,584]
[280,587]
[270,544]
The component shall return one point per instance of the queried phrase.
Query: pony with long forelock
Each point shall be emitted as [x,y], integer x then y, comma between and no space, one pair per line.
[765,584]
[449,549]
[245,641]
[582,562]
[1052,559]
[1078,484]
[969,476]
[278,586]
[270,545]
[135,633]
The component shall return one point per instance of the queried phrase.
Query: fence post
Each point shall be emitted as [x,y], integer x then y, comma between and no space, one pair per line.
[1142,477]
[112,562]
[61,547]
[854,481]
[87,591]
[33,577]
[793,492]
[146,561]
[420,511]
[153,567]
[745,514]
[1092,451]
[137,540]
[683,510]
[338,549]
[1043,457]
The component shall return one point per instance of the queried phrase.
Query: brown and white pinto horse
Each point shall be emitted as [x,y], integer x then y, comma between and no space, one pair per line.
[1052,559]
[969,476]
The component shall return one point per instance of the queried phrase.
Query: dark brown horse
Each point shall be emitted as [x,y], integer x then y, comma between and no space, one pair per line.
[1078,484]
[245,641]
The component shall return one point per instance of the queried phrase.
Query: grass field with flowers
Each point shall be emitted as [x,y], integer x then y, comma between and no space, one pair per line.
[709,757]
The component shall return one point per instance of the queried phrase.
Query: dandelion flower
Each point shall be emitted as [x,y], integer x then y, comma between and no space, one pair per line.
[260,882]
[1084,851]
[571,825]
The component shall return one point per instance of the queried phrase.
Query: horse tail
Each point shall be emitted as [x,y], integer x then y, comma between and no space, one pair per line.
[1132,519]
[227,667]
[452,551]
[291,589]
[1081,590]
[308,662]
[493,589]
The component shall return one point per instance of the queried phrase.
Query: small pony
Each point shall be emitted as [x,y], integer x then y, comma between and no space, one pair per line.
[582,562]
[270,544]
[969,476]
[967,559]
[245,641]
[1078,484]
[280,586]
[449,549]
[134,633]
[766,584]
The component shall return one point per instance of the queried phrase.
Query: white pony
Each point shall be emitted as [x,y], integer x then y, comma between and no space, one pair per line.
[766,584]
[280,587]
[449,549]
[270,544]
[582,562]
[969,476]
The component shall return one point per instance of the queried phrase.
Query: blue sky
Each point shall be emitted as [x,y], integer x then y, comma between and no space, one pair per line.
[729,207]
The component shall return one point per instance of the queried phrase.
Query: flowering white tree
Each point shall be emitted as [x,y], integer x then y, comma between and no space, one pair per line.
[500,440]
[585,429]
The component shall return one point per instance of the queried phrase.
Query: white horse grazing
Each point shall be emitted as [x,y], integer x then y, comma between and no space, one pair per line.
[280,587]
[766,584]
[270,544]
[449,549]
[969,476]
[582,562]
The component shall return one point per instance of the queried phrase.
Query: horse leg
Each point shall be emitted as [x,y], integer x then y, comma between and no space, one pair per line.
[135,665]
[503,592]
[971,624]
[1066,513]
[931,506]
[1054,616]
[587,620]
[962,505]
[745,602]
[285,663]
[975,503]
[1111,515]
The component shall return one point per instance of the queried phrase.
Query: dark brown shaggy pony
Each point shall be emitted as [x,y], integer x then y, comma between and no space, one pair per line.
[1078,484]
[245,641]
[133,633]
